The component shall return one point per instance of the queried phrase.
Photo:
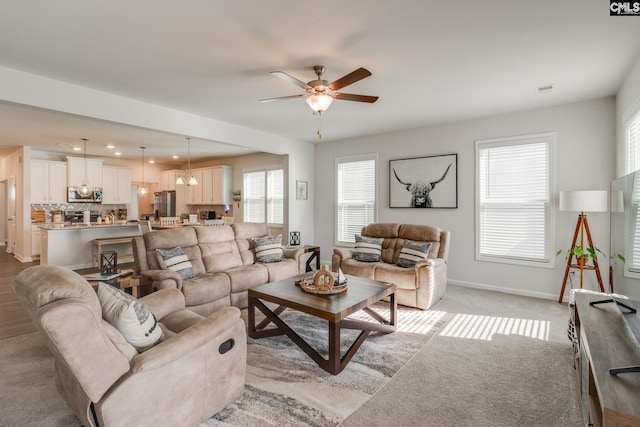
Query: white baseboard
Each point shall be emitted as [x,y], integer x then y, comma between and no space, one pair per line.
[522,292]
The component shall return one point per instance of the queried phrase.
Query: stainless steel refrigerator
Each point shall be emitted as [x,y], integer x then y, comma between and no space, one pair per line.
[164,203]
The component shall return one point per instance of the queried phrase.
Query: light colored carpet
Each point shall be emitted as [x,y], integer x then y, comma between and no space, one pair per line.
[477,358]
[502,360]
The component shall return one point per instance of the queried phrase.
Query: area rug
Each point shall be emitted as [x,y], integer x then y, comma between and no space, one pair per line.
[284,387]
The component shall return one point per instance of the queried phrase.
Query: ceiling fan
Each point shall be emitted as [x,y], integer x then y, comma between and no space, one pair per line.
[320,93]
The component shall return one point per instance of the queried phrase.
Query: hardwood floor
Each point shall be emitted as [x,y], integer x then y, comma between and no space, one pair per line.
[14,319]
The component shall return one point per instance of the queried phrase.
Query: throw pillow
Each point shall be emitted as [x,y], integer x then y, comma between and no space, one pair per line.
[175,259]
[368,249]
[412,252]
[268,248]
[130,316]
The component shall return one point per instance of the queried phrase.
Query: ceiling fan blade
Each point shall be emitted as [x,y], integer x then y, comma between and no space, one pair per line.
[350,78]
[353,97]
[286,77]
[280,98]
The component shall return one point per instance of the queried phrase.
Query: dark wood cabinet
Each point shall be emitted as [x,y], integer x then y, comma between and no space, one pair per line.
[605,341]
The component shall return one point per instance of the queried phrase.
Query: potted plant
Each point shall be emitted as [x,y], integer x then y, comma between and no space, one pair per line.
[582,255]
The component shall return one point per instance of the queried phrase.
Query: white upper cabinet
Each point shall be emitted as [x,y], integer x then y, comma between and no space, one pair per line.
[48,182]
[76,171]
[168,179]
[116,185]
[214,186]
[222,176]
[194,192]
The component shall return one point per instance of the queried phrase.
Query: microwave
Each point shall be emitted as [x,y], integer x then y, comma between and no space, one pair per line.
[94,196]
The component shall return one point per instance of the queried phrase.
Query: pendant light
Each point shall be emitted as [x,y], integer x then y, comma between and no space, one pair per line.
[143,190]
[192,179]
[85,190]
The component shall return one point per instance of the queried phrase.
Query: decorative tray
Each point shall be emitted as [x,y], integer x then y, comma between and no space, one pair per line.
[307,285]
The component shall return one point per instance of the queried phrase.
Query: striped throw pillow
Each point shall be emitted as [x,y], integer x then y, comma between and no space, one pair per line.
[268,248]
[412,252]
[175,259]
[368,249]
[130,316]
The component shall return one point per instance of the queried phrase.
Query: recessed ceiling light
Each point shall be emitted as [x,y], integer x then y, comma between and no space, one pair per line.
[117,153]
[152,161]
[175,157]
[77,148]
[110,146]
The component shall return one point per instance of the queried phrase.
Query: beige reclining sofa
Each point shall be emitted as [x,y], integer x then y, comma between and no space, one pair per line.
[223,260]
[196,369]
[420,285]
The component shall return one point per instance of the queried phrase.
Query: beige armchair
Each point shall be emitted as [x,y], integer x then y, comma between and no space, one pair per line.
[197,370]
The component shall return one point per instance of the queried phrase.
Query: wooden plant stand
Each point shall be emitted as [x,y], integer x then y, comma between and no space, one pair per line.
[582,226]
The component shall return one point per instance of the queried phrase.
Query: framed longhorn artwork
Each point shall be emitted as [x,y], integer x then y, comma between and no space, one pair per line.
[424,182]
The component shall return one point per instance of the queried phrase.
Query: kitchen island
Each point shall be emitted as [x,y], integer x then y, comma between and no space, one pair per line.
[71,246]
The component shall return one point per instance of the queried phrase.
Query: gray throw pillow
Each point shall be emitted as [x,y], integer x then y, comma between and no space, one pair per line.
[368,249]
[175,259]
[412,252]
[268,248]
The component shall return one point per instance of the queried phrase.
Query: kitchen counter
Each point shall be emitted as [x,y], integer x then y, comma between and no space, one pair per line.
[67,226]
[71,245]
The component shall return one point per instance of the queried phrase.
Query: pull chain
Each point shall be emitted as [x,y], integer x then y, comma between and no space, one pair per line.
[319,126]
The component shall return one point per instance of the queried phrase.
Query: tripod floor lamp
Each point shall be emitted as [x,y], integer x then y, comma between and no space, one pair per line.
[582,201]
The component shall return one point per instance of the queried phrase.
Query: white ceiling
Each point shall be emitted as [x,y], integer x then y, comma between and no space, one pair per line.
[432,62]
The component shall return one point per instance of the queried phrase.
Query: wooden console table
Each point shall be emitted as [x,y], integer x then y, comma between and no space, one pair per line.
[604,342]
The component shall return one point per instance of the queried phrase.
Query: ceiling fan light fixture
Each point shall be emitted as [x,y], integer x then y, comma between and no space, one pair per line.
[319,102]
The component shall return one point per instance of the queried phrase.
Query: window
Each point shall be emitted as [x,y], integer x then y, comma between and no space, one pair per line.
[355,196]
[513,202]
[632,140]
[264,196]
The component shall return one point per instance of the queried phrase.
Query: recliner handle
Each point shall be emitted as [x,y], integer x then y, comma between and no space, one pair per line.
[226,346]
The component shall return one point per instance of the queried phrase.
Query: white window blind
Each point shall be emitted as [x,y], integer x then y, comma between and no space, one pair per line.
[632,136]
[355,197]
[254,197]
[633,264]
[513,200]
[264,196]
[275,196]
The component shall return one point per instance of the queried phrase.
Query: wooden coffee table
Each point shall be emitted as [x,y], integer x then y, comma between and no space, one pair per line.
[360,295]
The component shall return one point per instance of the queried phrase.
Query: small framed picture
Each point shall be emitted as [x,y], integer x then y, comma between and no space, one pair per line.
[302,190]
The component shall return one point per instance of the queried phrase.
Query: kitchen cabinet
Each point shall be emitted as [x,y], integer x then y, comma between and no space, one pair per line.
[194,192]
[116,185]
[168,179]
[48,182]
[222,176]
[76,172]
[35,241]
[214,186]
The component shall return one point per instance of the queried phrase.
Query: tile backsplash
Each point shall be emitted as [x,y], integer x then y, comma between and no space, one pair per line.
[102,208]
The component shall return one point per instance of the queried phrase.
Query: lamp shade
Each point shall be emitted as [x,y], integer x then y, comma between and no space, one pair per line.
[319,102]
[583,201]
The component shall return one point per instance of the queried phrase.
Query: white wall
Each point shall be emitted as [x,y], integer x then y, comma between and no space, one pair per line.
[585,137]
